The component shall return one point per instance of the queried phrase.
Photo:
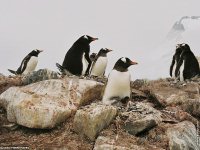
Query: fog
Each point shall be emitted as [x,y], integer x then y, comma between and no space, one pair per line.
[133,28]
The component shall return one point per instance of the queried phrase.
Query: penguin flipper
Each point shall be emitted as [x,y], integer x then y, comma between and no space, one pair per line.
[12,71]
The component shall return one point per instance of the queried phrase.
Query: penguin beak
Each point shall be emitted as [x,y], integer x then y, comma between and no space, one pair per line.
[94,39]
[40,50]
[133,63]
[109,50]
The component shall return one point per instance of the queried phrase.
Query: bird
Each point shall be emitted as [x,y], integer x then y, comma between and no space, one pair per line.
[77,60]
[188,64]
[118,84]
[100,62]
[28,64]
[92,56]
[175,60]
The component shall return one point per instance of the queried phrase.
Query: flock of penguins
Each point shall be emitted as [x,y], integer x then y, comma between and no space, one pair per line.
[78,61]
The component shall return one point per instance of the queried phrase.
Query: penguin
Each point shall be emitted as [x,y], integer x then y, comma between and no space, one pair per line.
[188,64]
[77,60]
[100,62]
[118,84]
[175,60]
[92,56]
[28,64]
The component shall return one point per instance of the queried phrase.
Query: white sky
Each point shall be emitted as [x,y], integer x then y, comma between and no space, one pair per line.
[131,28]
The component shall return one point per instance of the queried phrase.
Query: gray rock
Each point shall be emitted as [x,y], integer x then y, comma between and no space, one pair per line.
[140,118]
[183,136]
[90,120]
[47,103]
[40,75]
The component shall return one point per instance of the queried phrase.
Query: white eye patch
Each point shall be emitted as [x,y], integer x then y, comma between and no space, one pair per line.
[85,36]
[124,60]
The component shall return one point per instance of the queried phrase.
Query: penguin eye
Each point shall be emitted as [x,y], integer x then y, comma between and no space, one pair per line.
[124,60]
[86,37]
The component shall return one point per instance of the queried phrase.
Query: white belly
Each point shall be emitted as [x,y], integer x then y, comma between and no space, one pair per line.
[173,71]
[118,85]
[181,71]
[85,64]
[99,67]
[31,65]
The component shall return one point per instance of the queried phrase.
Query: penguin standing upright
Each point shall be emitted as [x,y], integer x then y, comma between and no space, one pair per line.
[188,64]
[100,62]
[118,85]
[28,64]
[175,60]
[77,60]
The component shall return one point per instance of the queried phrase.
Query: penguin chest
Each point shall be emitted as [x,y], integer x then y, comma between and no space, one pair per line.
[118,85]
[181,71]
[84,64]
[173,70]
[99,66]
[31,65]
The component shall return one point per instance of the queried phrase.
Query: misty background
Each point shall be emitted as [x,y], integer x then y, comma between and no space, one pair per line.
[145,31]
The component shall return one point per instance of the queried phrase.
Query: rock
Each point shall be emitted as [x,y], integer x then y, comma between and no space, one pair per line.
[187,96]
[47,103]
[90,120]
[140,119]
[183,136]
[107,143]
[136,94]
[40,75]
[7,82]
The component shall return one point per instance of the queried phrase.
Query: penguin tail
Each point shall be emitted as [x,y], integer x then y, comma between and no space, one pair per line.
[63,70]
[60,68]
[12,71]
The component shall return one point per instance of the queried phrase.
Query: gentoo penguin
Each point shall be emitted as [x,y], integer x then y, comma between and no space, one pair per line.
[92,56]
[188,64]
[77,60]
[28,64]
[175,60]
[100,62]
[118,85]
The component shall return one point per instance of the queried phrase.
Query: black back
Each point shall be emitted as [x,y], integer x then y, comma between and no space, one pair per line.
[176,58]
[191,64]
[73,58]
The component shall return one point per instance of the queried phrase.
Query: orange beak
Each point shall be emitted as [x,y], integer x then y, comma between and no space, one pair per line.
[133,63]
[94,39]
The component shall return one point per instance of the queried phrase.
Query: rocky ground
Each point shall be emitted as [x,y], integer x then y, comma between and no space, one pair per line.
[45,111]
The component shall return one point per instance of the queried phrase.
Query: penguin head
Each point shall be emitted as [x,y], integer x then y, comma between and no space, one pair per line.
[179,49]
[35,52]
[104,51]
[87,39]
[123,63]
[92,56]
[185,47]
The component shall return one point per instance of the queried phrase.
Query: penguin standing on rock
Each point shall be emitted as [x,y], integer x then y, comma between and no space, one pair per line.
[100,62]
[118,85]
[175,60]
[188,64]
[77,60]
[28,64]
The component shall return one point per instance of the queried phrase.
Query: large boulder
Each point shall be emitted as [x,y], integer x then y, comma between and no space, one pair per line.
[45,104]
[184,95]
[140,117]
[183,136]
[90,120]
